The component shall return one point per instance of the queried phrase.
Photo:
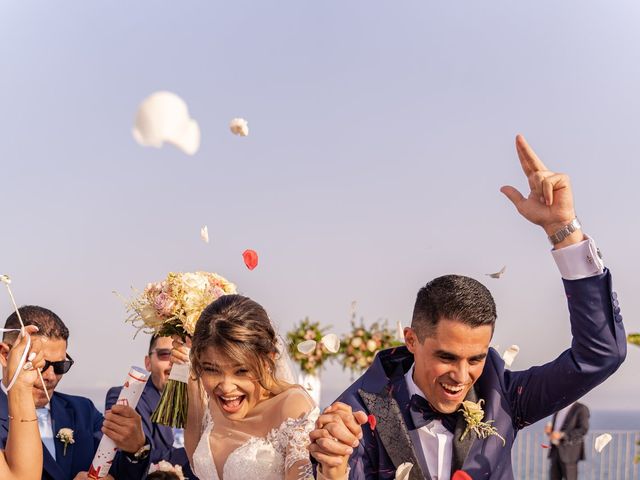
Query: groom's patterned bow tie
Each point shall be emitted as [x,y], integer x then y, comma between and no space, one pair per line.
[427,413]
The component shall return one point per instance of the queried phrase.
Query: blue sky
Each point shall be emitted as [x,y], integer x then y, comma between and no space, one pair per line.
[380,135]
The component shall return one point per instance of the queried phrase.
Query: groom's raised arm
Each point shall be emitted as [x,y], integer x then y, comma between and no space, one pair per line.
[598,346]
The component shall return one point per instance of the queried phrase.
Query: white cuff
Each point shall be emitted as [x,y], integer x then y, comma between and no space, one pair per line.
[580,260]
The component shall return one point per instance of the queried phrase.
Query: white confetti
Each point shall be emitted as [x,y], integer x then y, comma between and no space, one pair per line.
[5,279]
[510,355]
[306,347]
[403,471]
[164,117]
[399,332]
[497,274]
[602,441]
[331,342]
[204,234]
[239,126]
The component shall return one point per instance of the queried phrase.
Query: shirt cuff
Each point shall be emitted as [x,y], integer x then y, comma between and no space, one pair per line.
[580,260]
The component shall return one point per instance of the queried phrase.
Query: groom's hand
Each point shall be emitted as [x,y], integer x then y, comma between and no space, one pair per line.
[550,200]
[337,433]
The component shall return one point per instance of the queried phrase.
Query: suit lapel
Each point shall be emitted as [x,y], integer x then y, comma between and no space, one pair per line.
[62,417]
[461,448]
[392,417]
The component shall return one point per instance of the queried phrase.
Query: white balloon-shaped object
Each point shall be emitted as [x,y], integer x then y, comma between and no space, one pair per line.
[331,342]
[164,117]
[602,441]
[510,354]
[306,347]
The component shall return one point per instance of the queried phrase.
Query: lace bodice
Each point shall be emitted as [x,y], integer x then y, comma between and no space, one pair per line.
[270,457]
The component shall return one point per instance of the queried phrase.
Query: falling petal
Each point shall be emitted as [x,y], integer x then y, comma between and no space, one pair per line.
[331,342]
[5,279]
[497,274]
[403,471]
[239,126]
[602,441]
[544,445]
[372,421]
[250,259]
[306,347]
[204,234]
[634,338]
[510,354]
[461,475]
[164,117]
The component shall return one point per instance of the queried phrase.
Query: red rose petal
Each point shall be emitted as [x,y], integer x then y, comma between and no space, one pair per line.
[461,475]
[544,445]
[372,422]
[250,259]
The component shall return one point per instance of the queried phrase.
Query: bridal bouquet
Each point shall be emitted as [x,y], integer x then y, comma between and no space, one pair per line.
[172,307]
[359,347]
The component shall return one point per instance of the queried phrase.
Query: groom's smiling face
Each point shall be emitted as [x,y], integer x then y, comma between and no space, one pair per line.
[448,361]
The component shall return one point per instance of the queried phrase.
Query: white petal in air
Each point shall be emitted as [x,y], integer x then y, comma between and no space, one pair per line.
[403,471]
[204,234]
[5,279]
[331,342]
[306,347]
[239,126]
[164,117]
[510,354]
[497,274]
[602,441]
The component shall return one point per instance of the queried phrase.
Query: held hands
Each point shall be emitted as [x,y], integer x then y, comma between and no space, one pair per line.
[34,361]
[550,200]
[180,350]
[123,425]
[337,433]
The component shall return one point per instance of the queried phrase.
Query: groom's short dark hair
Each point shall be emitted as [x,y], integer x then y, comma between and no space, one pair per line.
[49,324]
[454,297]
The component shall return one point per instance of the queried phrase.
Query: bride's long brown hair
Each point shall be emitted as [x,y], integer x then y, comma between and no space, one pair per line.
[239,328]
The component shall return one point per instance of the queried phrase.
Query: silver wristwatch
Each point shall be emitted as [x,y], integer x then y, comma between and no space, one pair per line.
[565,231]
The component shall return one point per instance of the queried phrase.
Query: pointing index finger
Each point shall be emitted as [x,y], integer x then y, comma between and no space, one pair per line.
[528,158]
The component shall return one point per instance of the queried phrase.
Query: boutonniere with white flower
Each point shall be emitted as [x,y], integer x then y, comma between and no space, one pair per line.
[473,415]
[65,435]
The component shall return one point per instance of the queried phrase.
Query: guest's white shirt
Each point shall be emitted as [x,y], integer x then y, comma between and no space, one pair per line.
[577,261]
[46,430]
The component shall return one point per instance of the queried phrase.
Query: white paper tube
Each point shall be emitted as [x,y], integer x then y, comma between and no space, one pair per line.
[129,395]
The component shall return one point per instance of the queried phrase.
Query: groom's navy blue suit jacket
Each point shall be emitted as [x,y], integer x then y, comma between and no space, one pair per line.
[513,399]
[80,415]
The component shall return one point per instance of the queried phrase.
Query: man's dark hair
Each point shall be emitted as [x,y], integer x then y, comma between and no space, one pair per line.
[152,342]
[49,324]
[453,297]
[163,475]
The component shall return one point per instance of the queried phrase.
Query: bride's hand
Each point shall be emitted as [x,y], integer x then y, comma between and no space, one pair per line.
[34,360]
[180,350]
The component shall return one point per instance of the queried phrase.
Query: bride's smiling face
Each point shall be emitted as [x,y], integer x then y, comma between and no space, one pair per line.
[231,383]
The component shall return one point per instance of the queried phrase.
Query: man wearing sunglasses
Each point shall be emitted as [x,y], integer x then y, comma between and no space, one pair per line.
[77,413]
[165,446]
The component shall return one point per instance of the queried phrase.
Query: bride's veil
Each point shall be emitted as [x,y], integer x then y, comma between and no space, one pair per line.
[283,372]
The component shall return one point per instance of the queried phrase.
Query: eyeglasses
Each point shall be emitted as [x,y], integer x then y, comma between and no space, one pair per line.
[60,367]
[161,353]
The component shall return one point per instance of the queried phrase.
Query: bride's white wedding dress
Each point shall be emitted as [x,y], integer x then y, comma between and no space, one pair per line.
[270,443]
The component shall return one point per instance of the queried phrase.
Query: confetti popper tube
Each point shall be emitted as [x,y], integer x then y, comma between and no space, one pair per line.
[130,394]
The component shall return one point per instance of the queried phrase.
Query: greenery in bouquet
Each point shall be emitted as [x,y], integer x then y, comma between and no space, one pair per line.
[172,307]
[309,362]
[359,347]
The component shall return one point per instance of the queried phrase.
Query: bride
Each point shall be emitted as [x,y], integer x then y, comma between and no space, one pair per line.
[246,419]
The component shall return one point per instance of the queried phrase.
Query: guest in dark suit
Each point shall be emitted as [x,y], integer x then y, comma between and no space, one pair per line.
[416,392]
[79,414]
[566,434]
[162,437]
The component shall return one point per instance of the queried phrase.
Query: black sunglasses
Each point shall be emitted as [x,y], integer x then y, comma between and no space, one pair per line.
[60,367]
[161,353]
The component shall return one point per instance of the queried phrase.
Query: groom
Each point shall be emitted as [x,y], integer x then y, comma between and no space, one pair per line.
[411,396]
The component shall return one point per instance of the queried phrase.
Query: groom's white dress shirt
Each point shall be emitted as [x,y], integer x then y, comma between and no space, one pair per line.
[576,261]
[46,430]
